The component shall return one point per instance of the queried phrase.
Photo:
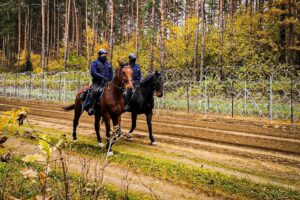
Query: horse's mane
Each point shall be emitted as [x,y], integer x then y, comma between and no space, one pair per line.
[146,80]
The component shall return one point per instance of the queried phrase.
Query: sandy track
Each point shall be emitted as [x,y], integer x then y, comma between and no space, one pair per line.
[213,130]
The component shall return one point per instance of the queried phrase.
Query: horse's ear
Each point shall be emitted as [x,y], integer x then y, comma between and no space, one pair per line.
[156,73]
[121,63]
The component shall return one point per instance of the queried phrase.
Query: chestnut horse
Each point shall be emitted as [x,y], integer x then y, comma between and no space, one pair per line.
[111,103]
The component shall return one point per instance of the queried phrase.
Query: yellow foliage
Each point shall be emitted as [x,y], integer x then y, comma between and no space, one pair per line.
[8,119]
[35,60]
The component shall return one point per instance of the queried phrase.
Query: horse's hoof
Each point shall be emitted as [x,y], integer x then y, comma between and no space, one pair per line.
[100,144]
[129,136]
[111,153]
[75,140]
[153,143]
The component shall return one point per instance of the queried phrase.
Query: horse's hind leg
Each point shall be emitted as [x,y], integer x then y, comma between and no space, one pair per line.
[97,129]
[77,114]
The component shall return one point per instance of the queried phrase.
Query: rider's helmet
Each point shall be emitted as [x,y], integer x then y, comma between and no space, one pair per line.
[102,51]
[132,57]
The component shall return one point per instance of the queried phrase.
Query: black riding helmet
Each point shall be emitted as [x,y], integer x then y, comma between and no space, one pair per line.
[132,57]
[102,51]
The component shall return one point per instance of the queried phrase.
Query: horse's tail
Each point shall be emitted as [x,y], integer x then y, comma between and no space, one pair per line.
[68,108]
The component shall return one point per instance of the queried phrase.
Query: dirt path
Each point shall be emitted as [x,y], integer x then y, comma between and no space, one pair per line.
[245,138]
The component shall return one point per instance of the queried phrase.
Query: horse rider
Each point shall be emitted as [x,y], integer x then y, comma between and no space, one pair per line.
[101,72]
[136,79]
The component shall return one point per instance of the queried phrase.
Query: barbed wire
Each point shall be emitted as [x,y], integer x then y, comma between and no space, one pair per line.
[276,94]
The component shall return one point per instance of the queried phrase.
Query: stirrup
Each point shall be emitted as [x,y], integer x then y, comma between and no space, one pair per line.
[91,112]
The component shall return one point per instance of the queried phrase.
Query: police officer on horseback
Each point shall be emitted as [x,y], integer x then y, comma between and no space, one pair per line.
[136,79]
[101,72]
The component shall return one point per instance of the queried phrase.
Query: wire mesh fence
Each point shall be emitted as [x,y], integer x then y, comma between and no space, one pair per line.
[275,97]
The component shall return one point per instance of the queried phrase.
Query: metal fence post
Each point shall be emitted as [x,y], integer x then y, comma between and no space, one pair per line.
[292,103]
[44,87]
[232,94]
[59,88]
[15,84]
[271,99]
[29,93]
[4,91]
[187,98]
[65,92]
[245,97]
[206,100]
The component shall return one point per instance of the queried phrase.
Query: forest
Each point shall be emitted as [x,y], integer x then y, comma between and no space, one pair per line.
[229,36]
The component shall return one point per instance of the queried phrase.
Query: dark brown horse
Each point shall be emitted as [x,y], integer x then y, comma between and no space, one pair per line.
[111,103]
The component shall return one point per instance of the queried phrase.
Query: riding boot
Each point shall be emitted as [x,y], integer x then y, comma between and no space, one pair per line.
[91,111]
[96,94]
[83,95]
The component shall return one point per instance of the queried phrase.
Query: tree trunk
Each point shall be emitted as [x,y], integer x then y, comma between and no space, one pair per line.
[202,39]
[43,36]
[19,35]
[48,35]
[137,29]
[111,28]
[221,20]
[67,24]
[25,31]
[54,27]
[94,27]
[123,21]
[86,29]
[196,35]
[162,36]
[291,33]
[58,34]
[186,12]
[153,36]
[76,27]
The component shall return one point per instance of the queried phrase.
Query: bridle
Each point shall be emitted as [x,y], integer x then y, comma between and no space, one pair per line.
[121,86]
[155,86]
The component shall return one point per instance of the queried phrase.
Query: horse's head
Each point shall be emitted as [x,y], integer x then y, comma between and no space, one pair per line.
[125,75]
[158,84]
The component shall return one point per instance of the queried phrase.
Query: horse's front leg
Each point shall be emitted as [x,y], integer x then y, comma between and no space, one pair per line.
[97,129]
[149,124]
[77,114]
[133,122]
[107,132]
[116,119]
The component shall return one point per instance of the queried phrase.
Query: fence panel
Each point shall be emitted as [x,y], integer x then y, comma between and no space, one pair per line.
[273,98]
